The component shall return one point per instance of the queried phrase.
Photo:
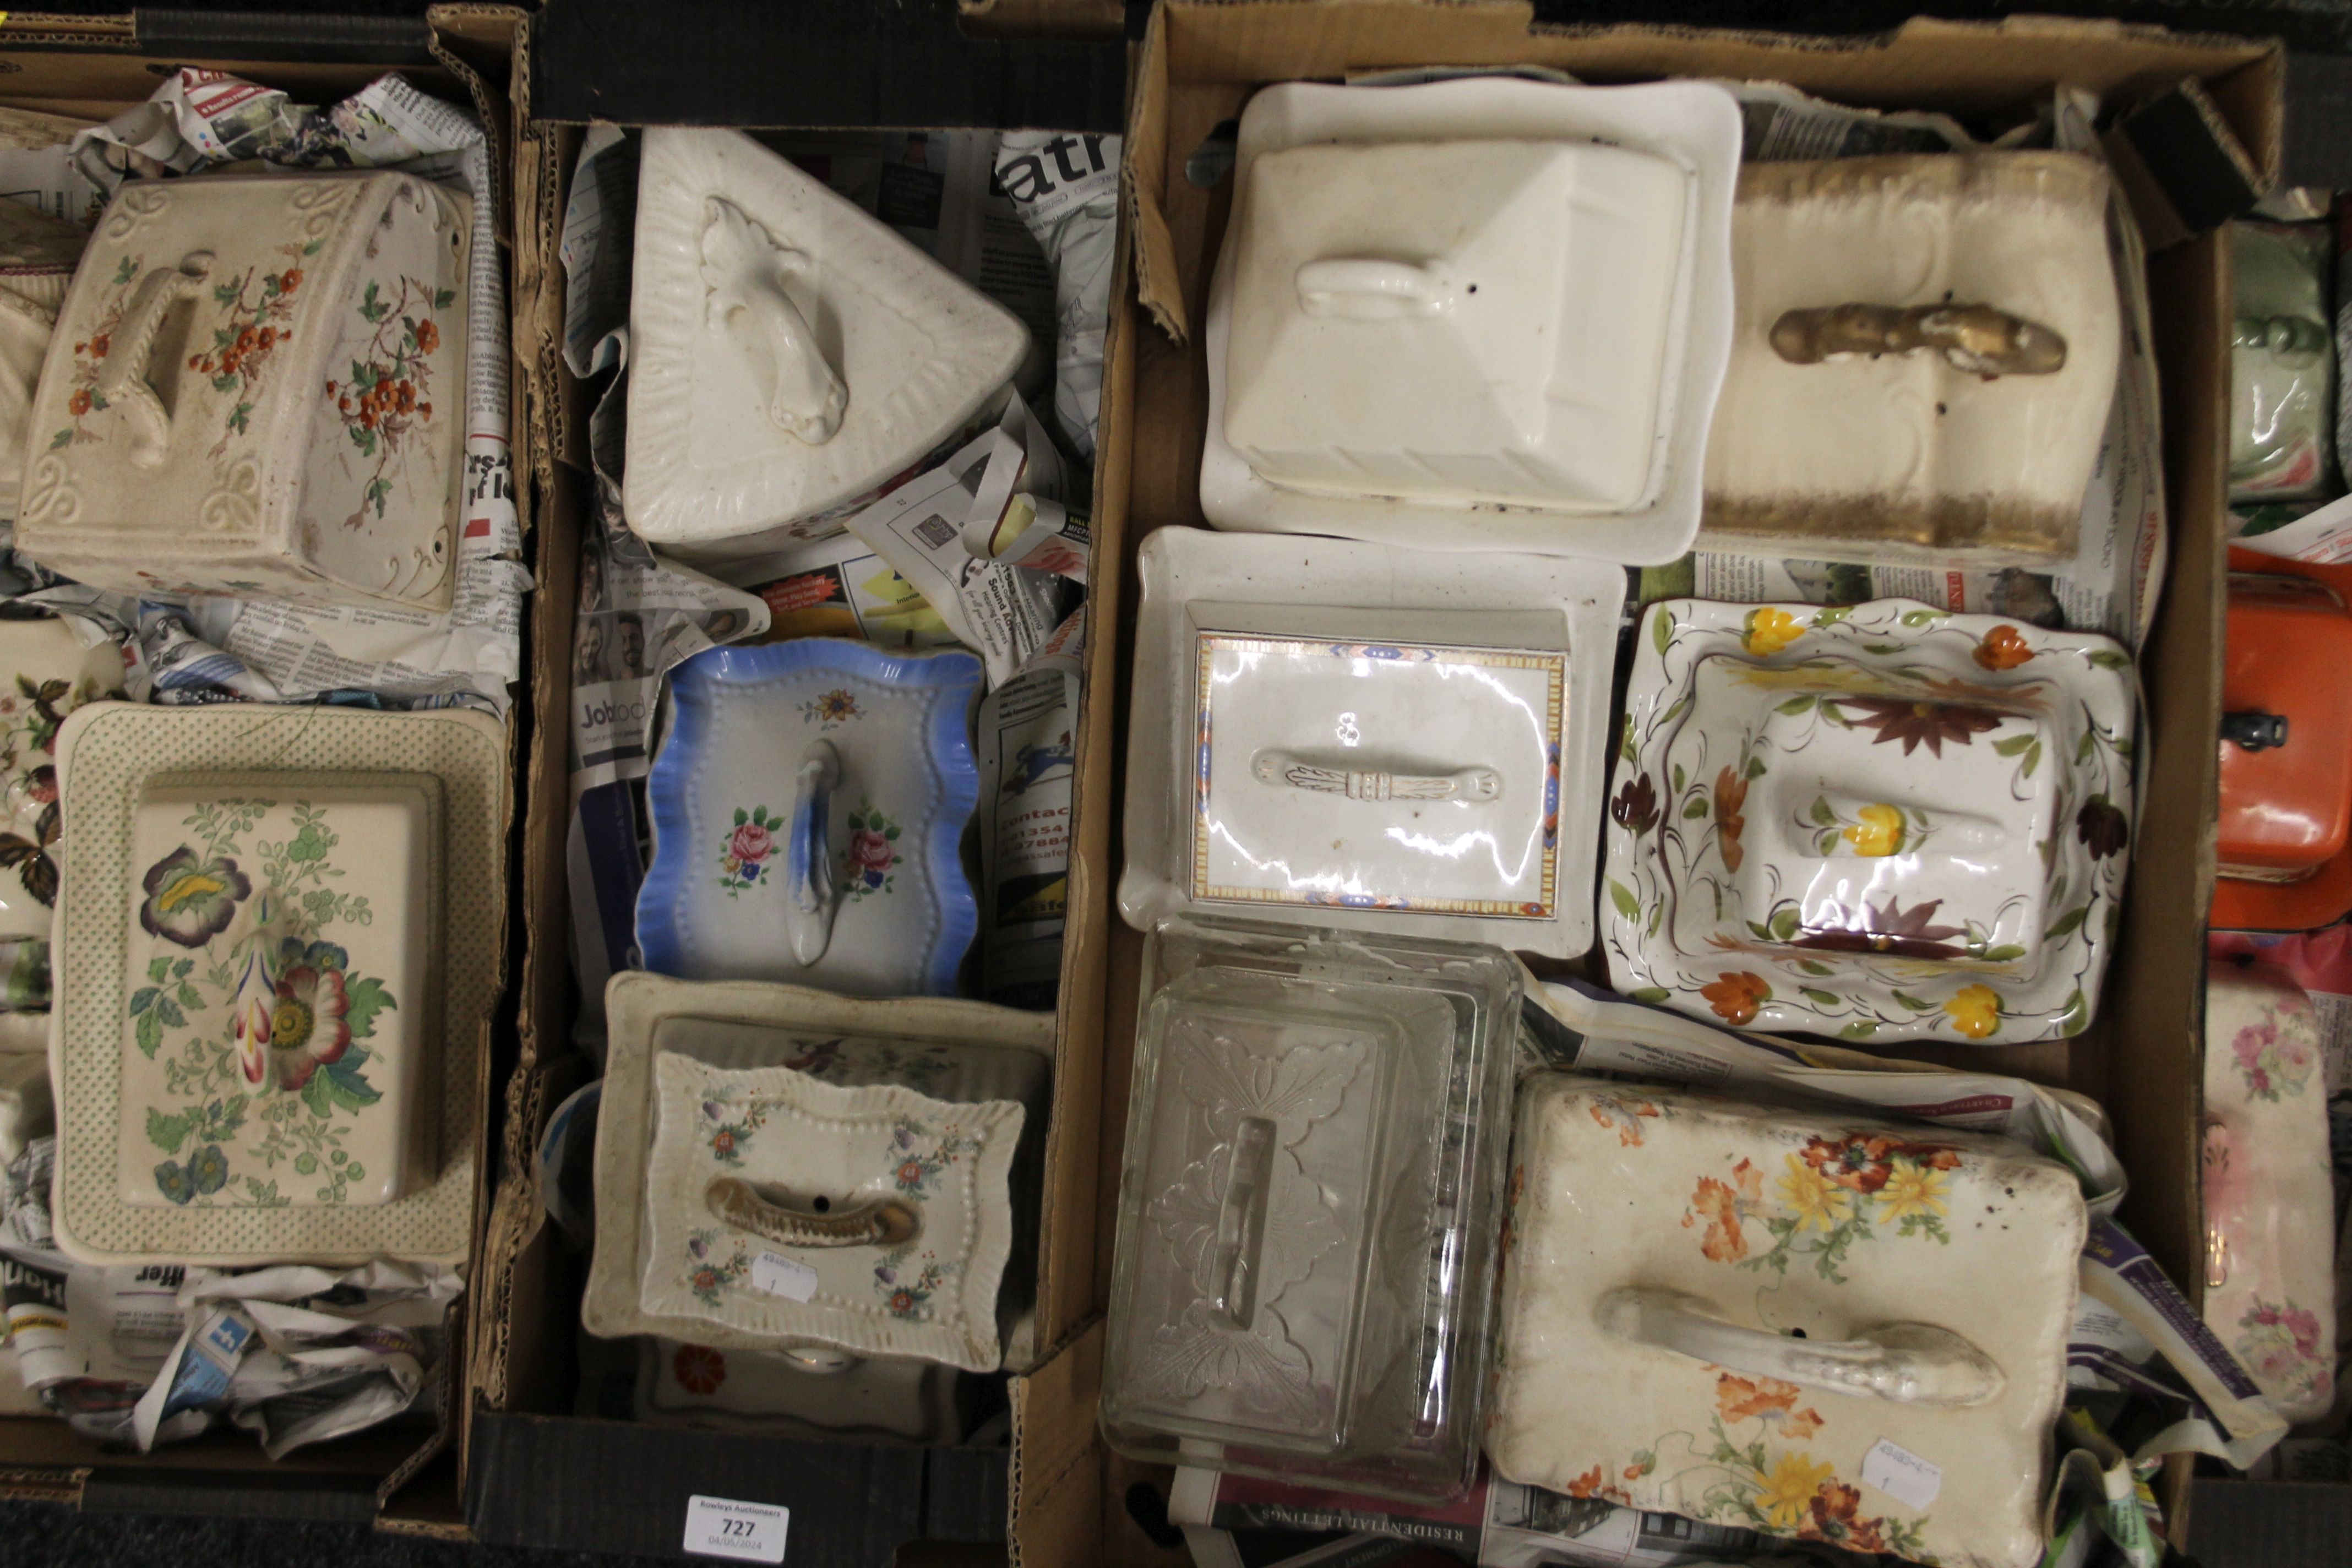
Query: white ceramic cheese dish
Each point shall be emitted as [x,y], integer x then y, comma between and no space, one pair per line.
[2270,1195]
[255,386]
[791,357]
[1780,1320]
[1923,359]
[1366,737]
[1481,314]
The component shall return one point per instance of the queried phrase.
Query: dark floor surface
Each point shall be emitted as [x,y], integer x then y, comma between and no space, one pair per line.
[52,1535]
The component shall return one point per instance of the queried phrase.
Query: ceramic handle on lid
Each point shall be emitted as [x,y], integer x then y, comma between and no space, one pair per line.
[809,902]
[1372,289]
[1906,1364]
[122,378]
[1373,783]
[813,1222]
[743,269]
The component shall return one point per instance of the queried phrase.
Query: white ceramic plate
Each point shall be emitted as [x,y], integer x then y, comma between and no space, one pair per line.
[1361,737]
[1882,823]
[1695,126]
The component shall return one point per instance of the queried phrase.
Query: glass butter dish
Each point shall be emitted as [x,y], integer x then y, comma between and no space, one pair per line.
[1308,1211]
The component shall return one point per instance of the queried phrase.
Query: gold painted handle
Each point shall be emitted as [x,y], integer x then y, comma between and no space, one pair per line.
[885,1222]
[1976,338]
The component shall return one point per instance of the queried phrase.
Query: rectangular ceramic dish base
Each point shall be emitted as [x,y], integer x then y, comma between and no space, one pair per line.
[1736,1207]
[647,1012]
[272,470]
[358,986]
[106,754]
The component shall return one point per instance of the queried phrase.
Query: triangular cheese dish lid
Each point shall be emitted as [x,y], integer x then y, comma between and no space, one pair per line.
[790,356]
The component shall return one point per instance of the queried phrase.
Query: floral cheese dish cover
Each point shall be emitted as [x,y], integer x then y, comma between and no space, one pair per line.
[2270,1198]
[1777,1321]
[874,1219]
[274,1017]
[257,387]
[1878,822]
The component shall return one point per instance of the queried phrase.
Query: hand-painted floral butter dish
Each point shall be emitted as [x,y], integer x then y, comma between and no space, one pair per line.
[1922,359]
[255,386]
[779,1167]
[790,355]
[2269,1199]
[45,673]
[1780,1321]
[274,983]
[1308,1205]
[1487,314]
[1366,737]
[1882,822]
[808,807]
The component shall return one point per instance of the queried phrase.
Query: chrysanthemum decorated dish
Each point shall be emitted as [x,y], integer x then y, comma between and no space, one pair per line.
[277,952]
[1880,823]
[809,807]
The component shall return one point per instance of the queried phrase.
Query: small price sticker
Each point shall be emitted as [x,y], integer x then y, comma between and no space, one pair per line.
[782,1275]
[745,1532]
[1902,1474]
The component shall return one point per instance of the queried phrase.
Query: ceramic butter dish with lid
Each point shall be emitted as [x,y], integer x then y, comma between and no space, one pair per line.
[1780,1321]
[1361,737]
[1308,1206]
[2270,1198]
[257,387]
[1922,359]
[809,807]
[791,357]
[1480,314]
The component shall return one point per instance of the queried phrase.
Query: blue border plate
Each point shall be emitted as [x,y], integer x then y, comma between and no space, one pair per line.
[694,687]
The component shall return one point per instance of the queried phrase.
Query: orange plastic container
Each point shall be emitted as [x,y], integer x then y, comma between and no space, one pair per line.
[2285,830]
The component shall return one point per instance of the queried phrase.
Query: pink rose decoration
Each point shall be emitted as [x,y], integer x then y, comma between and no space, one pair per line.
[751,844]
[871,852]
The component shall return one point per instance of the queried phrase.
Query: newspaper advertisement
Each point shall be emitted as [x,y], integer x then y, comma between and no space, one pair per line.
[1065,189]
[839,587]
[2112,583]
[1026,729]
[263,649]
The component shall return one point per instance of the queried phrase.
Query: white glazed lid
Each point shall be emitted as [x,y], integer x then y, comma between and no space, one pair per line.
[1463,322]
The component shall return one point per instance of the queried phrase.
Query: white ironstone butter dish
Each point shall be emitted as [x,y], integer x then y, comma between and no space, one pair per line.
[790,355]
[257,387]
[277,952]
[1842,1332]
[1481,314]
[1366,737]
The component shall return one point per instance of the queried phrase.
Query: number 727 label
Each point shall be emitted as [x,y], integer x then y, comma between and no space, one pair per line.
[745,1532]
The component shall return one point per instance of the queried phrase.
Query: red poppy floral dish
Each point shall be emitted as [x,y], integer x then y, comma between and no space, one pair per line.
[1879,822]
[272,983]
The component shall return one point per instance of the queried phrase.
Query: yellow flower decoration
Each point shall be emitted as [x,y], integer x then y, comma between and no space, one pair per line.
[1975,1010]
[1880,831]
[1770,630]
[1788,1489]
[1911,1190]
[1821,1204]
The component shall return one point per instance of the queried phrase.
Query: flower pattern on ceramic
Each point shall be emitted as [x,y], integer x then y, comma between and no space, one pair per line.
[712,1266]
[28,733]
[830,709]
[919,1167]
[390,394]
[907,1284]
[1824,1201]
[730,1126]
[255,307]
[751,844]
[90,356]
[1692,918]
[2275,1053]
[1753,1467]
[2281,1343]
[255,1013]
[873,851]
[699,1369]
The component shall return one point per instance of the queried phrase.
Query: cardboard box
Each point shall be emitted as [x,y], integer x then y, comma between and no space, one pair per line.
[1198,62]
[537,1475]
[404,1475]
